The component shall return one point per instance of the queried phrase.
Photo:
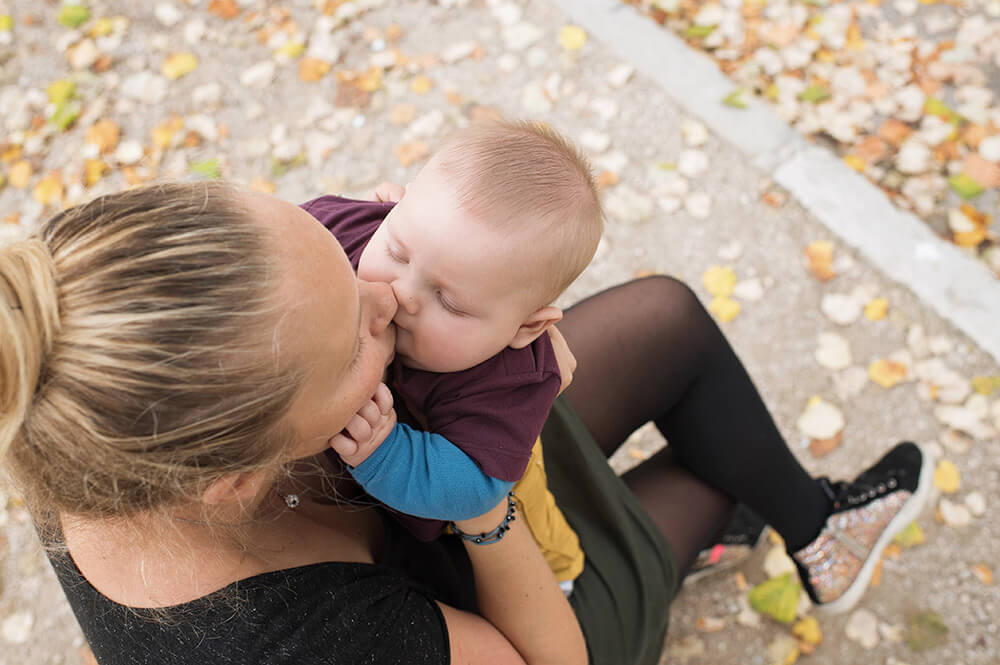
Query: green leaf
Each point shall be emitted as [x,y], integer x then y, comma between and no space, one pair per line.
[666,166]
[815,93]
[65,115]
[73,16]
[207,168]
[925,630]
[965,186]
[934,106]
[61,91]
[911,536]
[778,597]
[6,22]
[735,99]
[699,31]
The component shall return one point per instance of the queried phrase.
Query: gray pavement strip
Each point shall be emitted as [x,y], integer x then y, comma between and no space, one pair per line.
[958,287]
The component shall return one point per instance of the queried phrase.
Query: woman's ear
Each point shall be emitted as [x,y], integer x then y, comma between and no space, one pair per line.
[236,488]
[537,322]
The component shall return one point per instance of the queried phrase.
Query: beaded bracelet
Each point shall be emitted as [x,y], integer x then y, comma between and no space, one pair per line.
[496,534]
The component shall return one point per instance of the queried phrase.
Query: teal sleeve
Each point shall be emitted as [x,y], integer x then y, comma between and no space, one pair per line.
[423,474]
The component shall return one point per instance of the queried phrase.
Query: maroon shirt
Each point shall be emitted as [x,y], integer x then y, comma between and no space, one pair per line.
[494,411]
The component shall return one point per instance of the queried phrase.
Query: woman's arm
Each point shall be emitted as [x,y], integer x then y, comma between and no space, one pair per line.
[525,618]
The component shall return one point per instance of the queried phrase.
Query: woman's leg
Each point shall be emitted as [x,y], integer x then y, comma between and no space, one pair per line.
[648,350]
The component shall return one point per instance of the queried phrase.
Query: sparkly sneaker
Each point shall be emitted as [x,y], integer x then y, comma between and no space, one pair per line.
[867,513]
[743,534]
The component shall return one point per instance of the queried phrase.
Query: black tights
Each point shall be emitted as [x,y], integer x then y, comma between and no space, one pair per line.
[648,351]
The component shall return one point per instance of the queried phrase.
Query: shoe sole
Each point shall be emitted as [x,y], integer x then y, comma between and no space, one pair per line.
[908,514]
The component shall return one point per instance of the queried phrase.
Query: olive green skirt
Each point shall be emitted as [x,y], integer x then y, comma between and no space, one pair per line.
[622,597]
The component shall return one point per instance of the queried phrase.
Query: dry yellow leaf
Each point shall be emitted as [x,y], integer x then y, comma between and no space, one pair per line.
[947,477]
[421,85]
[313,69]
[20,173]
[856,163]
[93,171]
[291,50]
[10,153]
[724,308]
[370,81]
[886,373]
[572,37]
[163,134]
[892,551]
[719,281]
[876,578]
[807,629]
[179,64]
[606,179]
[983,573]
[819,254]
[877,309]
[971,238]
[408,153]
[264,185]
[403,114]
[102,28]
[224,9]
[103,134]
[49,189]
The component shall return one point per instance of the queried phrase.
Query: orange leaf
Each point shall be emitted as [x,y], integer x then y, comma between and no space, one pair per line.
[886,373]
[408,153]
[94,170]
[421,85]
[49,190]
[821,447]
[820,257]
[20,173]
[313,69]
[894,131]
[224,9]
[104,135]
[983,171]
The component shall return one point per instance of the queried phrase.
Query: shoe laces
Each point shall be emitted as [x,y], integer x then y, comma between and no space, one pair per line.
[861,490]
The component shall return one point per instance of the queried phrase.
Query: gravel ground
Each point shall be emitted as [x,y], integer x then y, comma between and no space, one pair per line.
[679,202]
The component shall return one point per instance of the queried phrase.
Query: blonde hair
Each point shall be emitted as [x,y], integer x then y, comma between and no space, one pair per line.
[135,359]
[522,175]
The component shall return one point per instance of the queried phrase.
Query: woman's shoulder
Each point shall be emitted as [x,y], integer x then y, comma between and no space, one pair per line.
[327,612]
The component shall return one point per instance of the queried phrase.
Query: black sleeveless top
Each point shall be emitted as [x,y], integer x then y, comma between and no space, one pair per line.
[324,613]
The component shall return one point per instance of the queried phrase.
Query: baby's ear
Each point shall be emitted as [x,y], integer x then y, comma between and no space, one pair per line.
[537,322]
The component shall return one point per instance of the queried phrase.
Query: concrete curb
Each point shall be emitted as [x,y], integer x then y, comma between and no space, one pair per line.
[959,288]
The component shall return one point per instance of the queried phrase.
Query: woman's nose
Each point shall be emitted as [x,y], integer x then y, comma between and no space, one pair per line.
[382,304]
[405,296]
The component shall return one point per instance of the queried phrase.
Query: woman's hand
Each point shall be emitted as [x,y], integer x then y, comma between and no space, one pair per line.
[367,428]
[564,357]
[388,192]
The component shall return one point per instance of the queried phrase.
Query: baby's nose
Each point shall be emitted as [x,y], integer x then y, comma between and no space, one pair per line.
[405,296]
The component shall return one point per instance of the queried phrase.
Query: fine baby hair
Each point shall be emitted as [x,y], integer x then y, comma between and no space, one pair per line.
[523,176]
[131,373]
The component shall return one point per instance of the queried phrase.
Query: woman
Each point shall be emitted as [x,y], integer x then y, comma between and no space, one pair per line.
[169,353]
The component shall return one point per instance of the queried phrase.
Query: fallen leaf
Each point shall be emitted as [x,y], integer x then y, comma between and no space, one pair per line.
[774,198]
[572,37]
[724,308]
[871,149]
[983,573]
[965,186]
[224,9]
[207,168]
[820,420]
[925,630]
[94,170]
[104,135]
[778,597]
[982,171]
[163,134]
[856,162]
[290,50]
[6,22]
[606,179]
[886,373]
[65,115]
[986,385]
[909,537]
[877,309]
[807,629]
[815,94]
[708,624]
[783,650]
[61,91]
[719,280]
[894,131]
[73,16]
[934,106]
[876,578]
[892,551]
[735,99]
[20,173]
[862,627]
[421,85]
[179,64]
[821,447]
[740,580]
[409,153]
[313,69]
[819,254]
[49,190]
[947,477]
[699,31]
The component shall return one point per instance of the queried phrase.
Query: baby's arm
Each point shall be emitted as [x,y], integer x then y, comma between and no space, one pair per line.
[417,473]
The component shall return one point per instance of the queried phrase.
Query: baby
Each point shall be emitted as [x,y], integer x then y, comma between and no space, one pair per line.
[490,232]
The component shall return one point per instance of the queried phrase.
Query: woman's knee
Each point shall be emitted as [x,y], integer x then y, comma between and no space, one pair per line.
[673,303]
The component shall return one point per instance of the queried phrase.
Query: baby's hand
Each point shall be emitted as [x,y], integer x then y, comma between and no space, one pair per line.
[367,429]
[388,192]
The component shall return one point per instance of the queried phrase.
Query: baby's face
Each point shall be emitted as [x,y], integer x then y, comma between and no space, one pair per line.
[459,283]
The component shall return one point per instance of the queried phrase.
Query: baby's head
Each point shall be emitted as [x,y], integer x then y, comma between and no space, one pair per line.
[496,225]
